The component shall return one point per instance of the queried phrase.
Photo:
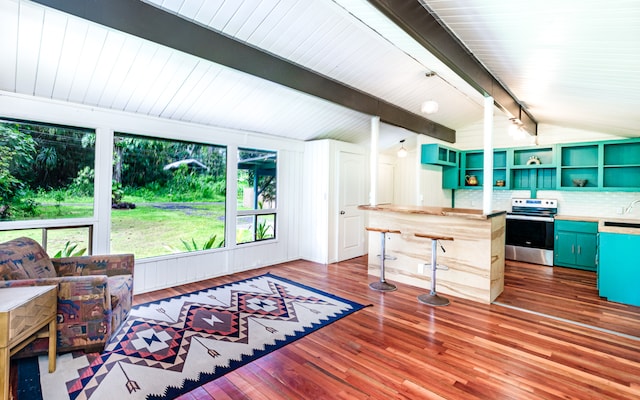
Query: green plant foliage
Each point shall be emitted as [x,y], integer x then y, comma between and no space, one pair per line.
[82,184]
[207,245]
[70,251]
[262,230]
[16,153]
[117,192]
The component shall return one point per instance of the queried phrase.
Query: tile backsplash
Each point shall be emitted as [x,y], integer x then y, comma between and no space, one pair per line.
[583,203]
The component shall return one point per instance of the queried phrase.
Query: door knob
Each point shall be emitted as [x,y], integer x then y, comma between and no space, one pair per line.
[342,213]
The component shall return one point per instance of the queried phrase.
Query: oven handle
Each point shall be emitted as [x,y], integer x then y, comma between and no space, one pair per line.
[530,218]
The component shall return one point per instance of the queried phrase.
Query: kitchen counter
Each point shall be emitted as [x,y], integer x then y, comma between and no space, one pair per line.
[475,257]
[470,213]
[603,223]
[577,218]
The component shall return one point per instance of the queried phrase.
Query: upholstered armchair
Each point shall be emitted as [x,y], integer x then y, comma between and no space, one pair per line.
[94,292]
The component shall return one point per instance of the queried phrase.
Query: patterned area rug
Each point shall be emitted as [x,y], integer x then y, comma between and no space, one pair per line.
[169,347]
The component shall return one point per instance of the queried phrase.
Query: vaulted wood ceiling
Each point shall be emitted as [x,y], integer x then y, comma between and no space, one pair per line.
[51,54]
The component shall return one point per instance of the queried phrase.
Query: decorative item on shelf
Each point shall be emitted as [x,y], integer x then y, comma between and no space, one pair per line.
[533,160]
[500,182]
[471,180]
[580,182]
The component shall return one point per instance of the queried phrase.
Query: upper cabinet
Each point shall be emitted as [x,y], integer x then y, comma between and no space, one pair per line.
[579,167]
[533,168]
[621,166]
[607,165]
[472,169]
[439,155]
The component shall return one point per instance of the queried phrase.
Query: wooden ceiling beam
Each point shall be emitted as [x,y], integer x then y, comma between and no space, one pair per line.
[151,23]
[421,25]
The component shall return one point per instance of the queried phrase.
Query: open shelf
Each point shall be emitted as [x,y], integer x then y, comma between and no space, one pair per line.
[473,164]
[522,156]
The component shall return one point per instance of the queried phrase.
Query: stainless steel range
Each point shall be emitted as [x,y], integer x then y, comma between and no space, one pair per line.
[529,235]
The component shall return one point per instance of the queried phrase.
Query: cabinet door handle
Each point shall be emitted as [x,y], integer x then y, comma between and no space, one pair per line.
[578,249]
[573,248]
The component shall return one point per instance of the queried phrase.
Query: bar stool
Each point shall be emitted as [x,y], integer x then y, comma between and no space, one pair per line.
[432,297]
[383,285]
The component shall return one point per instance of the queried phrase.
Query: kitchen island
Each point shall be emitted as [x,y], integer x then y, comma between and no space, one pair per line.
[475,257]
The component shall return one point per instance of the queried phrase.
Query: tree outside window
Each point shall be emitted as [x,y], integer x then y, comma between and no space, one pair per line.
[168,196]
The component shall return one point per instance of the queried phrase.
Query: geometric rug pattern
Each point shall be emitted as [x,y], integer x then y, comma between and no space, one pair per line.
[169,347]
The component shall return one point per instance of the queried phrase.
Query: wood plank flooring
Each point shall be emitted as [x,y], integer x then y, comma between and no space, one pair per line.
[401,349]
[566,293]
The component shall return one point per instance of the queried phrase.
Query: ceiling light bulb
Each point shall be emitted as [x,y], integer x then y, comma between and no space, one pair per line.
[402,152]
[513,129]
[429,107]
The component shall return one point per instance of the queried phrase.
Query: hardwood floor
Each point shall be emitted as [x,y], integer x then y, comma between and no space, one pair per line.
[566,293]
[402,349]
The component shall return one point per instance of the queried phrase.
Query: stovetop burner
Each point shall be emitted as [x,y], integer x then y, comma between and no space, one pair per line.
[534,207]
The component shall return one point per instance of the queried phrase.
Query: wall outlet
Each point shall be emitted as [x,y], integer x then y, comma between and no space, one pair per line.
[421,268]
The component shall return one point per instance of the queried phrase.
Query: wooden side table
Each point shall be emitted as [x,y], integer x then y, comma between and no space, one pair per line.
[24,313]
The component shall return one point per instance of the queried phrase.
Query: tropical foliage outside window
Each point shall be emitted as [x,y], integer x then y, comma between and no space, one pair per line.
[168,196]
[46,171]
[257,184]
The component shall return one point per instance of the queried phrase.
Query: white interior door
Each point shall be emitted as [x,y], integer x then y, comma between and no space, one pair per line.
[352,193]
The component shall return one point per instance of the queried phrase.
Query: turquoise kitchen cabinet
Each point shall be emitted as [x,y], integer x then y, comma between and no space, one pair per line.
[438,154]
[619,267]
[448,158]
[575,244]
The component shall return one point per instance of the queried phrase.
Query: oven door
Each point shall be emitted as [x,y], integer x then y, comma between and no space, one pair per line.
[528,231]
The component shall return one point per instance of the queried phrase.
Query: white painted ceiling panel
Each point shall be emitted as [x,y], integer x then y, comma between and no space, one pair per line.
[87,64]
[69,59]
[104,67]
[322,36]
[208,9]
[29,37]
[52,38]
[120,65]
[8,31]
[572,63]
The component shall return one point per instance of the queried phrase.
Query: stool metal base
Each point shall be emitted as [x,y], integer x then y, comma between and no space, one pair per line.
[383,286]
[433,299]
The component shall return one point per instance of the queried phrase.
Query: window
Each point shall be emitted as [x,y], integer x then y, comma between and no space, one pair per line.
[46,171]
[256,219]
[168,196]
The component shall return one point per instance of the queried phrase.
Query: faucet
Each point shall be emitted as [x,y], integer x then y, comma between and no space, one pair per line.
[630,206]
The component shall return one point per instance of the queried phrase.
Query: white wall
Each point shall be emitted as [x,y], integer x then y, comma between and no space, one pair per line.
[320,199]
[166,271]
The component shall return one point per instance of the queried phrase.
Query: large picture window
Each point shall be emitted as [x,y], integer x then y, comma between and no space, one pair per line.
[256,220]
[46,171]
[168,196]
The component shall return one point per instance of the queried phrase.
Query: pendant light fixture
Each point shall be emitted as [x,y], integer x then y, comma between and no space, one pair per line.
[402,152]
[429,106]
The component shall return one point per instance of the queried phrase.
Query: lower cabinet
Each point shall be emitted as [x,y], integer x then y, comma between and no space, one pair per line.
[575,244]
[618,268]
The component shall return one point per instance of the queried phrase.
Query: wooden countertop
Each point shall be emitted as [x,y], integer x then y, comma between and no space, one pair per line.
[604,228]
[470,213]
[577,218]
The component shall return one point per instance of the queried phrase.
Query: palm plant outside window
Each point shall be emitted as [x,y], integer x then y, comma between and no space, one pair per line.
[257,195]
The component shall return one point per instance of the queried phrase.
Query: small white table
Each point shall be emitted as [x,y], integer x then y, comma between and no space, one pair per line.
[25,314]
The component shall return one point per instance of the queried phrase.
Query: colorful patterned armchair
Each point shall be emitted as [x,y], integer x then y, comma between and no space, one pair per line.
[94,292]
